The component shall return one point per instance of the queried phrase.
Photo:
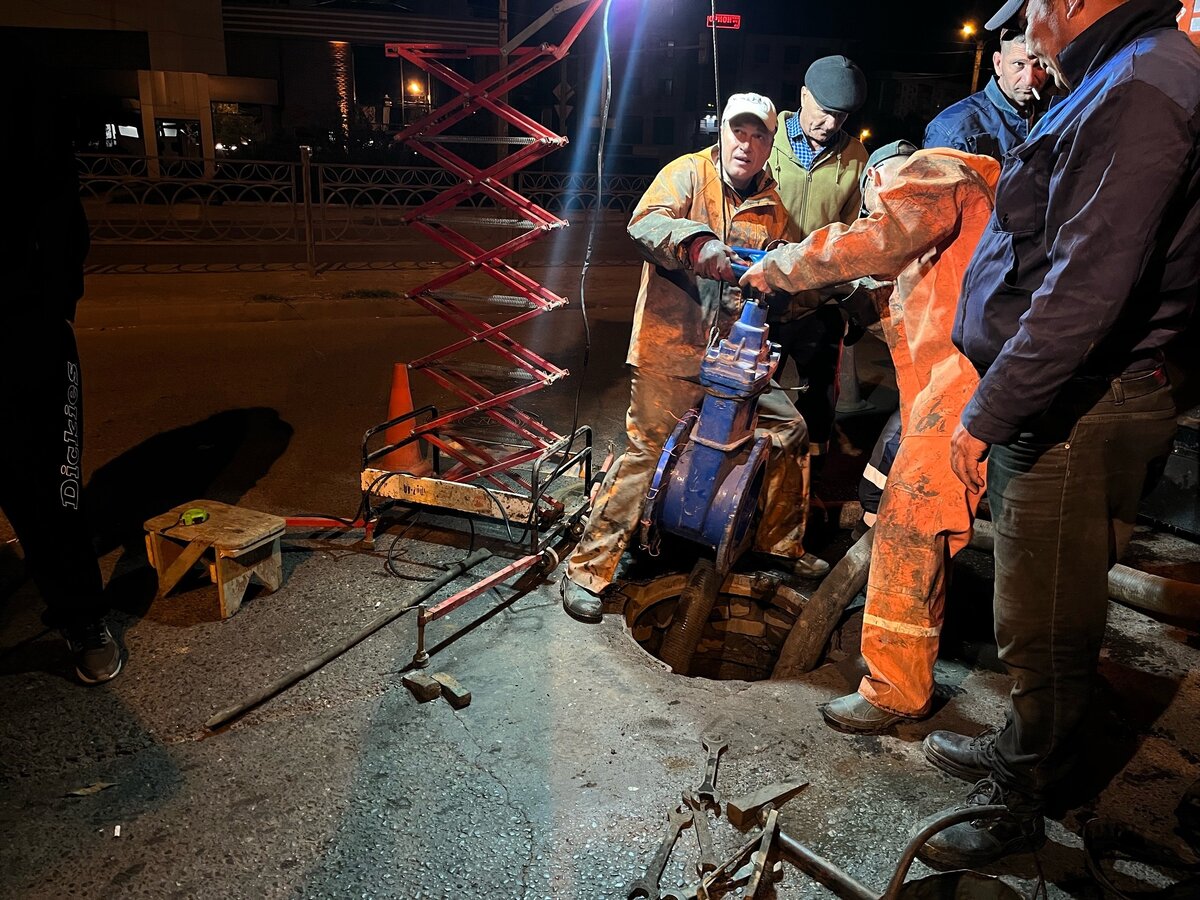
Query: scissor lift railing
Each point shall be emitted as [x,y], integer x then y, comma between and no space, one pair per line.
[501,475]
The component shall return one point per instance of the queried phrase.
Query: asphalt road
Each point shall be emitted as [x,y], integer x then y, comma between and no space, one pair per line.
[255,388]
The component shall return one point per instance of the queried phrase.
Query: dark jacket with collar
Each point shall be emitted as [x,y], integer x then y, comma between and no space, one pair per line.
[43,231]
[985,122]
[1091,263]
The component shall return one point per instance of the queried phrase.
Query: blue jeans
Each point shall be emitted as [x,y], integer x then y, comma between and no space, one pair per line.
[1064,497]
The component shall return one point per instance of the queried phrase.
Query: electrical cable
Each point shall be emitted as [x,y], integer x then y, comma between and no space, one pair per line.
[597,211]
[390,558]
[720,162]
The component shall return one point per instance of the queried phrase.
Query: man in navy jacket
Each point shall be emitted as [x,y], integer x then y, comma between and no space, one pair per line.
[996,119]
[1090,268]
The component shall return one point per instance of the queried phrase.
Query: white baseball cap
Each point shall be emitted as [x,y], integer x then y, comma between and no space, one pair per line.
[751,104]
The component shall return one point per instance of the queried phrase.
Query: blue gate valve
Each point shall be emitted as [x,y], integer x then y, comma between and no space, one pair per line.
[712,469]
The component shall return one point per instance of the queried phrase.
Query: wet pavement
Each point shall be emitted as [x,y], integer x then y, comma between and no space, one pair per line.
[255,387]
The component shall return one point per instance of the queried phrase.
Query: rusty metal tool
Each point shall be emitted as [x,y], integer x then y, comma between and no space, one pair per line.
[760,805]
[769,832]
[714,746]
[737,879]
[707,860]
[646,887]
[732,865]
[747,810]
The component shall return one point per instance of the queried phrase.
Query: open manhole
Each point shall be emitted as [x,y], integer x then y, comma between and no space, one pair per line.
[741,640]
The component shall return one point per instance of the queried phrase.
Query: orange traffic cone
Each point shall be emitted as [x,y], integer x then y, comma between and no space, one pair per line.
[408,457]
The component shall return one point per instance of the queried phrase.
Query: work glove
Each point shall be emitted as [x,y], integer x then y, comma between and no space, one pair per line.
[861,300]
[711,258]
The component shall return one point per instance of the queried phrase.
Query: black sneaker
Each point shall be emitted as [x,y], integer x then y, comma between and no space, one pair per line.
[980,842]
[99,657]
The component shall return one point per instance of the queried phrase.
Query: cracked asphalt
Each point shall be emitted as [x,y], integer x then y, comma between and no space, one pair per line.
[555,781]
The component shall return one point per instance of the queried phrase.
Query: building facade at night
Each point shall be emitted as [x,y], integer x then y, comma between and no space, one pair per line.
[192,79]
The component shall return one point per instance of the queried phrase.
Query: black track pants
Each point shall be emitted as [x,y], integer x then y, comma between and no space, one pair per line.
[41,464]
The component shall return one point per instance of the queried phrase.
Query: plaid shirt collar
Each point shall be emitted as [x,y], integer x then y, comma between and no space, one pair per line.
[805,154]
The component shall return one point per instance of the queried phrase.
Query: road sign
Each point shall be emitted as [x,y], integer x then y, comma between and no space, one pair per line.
[725,20]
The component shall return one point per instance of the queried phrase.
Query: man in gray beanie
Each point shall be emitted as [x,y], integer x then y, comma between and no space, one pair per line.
[818,168]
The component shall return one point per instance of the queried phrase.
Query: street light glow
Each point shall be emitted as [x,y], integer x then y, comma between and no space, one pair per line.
[968,30]
[864,134]
[415,87]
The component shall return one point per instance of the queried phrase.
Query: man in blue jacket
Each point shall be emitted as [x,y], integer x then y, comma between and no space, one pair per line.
[998,118]
[1090,268]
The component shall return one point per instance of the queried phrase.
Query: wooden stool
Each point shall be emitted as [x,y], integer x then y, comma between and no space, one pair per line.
[244,542]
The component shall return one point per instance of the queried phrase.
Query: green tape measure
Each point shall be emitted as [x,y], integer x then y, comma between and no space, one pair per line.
[194,516]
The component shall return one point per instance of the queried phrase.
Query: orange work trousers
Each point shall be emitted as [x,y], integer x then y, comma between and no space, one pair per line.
[924,519]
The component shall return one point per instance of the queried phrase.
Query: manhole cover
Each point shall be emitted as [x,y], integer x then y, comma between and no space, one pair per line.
[750,621]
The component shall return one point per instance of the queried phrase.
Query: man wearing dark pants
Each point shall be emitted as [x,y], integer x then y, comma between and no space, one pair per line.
[43,245]
[1090,267]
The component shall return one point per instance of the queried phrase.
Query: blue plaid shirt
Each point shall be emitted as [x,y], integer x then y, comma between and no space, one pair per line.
[805,154]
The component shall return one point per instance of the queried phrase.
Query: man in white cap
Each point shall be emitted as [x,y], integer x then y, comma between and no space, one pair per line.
[698,208]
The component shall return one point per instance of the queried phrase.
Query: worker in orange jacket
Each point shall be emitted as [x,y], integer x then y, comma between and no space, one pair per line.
[927,210]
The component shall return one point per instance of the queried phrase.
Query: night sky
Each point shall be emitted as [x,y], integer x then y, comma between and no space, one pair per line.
[888,34]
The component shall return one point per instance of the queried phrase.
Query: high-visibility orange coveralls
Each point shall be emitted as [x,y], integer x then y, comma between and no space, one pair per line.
[928,221]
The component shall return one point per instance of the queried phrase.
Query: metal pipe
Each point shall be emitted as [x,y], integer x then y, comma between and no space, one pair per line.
[310,244]
[1169,598]
[306,669]
[806,641]
[823,871]
[1178,601]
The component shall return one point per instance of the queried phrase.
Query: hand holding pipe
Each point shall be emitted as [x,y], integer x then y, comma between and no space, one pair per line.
[751,256]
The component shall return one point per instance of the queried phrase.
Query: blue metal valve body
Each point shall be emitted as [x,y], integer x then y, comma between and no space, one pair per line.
[708,490]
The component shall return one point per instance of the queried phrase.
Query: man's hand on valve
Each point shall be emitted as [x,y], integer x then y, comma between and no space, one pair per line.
[756,278]
[966,452]
[712,259]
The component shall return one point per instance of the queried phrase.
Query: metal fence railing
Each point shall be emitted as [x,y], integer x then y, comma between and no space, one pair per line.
[140,200]
[162,201]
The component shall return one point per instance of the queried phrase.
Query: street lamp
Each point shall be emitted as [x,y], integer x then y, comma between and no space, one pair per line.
[970,32]
[863,135]
[419,99]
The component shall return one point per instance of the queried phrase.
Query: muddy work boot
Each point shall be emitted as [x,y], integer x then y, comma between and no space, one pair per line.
[806,566]
[980,842]
[968,758]
[810,566]
[854,714]
[580,603]
[98,655]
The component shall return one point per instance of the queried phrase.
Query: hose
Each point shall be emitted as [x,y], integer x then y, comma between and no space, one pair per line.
[806,641]
[691,615]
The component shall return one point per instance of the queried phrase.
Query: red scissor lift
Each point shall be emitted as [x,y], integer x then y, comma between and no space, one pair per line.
[509,479]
